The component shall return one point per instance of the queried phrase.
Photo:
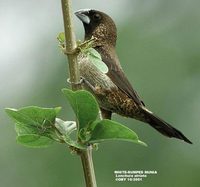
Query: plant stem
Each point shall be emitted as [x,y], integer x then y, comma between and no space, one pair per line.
[70,45]
[86,155]
[86,158]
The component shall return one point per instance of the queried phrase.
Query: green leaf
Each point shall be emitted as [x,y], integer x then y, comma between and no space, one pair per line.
[110,130]
[57,110]
[84,106]
[34,116]
[61,37]
[96,59]
[22,129]
[35,125]
[34,140]
[30,136]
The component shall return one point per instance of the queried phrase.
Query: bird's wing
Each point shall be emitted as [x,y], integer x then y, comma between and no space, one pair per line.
[118,77]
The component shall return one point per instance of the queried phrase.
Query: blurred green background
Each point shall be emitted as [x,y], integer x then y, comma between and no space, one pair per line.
[159,49]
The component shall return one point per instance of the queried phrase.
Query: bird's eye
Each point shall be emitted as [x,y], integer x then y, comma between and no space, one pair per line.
[97,17]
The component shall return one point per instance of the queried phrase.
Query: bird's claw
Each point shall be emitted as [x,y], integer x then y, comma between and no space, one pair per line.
[86,44]
[81,46]
[66,52]
[79,83]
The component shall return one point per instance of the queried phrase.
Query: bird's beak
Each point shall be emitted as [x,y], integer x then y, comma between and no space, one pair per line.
[82,15]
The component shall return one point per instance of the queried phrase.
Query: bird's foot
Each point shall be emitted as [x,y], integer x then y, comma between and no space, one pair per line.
[79,83]
[81,46]
[66,52]
[62,45]
[86,44]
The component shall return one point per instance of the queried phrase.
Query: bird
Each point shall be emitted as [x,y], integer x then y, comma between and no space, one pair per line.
[112,90]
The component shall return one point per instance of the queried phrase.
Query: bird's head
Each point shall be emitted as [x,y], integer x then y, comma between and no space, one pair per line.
[98,25]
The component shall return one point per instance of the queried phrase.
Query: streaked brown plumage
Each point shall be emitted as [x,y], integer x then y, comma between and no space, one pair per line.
[113,91]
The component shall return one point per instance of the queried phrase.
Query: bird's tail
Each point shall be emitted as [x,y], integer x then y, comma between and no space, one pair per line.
[163,127]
